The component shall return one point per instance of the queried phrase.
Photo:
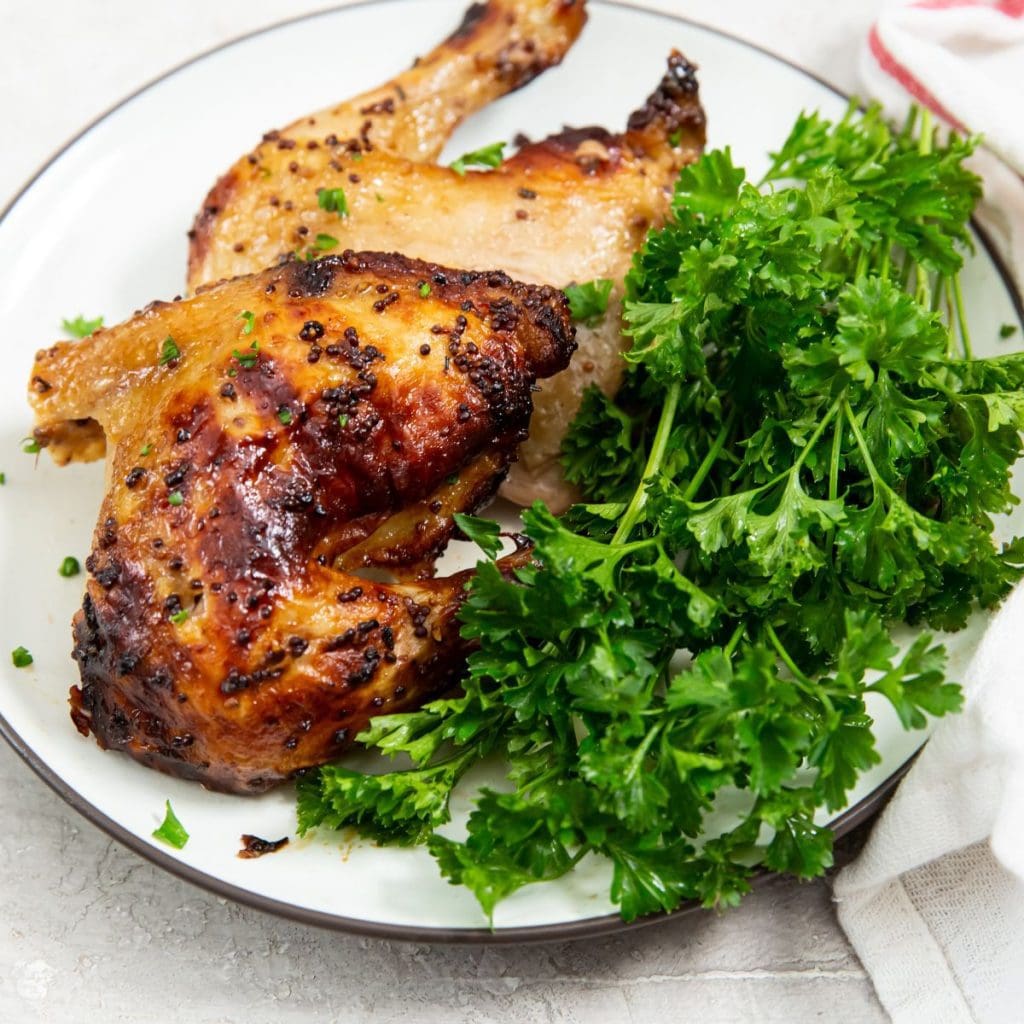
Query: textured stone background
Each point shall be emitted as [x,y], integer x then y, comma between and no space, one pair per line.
[89,931]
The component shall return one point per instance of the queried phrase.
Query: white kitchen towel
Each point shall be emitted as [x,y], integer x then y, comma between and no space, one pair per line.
[934,905]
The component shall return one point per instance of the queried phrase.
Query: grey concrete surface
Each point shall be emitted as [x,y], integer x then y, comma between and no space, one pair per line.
[90,931]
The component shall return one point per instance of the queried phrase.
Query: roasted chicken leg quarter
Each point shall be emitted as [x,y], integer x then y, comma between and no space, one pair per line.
[267,440]
[571,207]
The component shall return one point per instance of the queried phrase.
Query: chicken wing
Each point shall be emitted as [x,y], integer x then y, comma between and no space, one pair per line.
[266,439]
[572,207]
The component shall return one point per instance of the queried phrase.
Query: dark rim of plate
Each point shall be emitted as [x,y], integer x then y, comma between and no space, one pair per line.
[606,924]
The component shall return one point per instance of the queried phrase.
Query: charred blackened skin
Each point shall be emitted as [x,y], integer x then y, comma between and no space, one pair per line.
[253,846]
[672,102]
[471,20]
[224,636]
[570,139]
[311,280]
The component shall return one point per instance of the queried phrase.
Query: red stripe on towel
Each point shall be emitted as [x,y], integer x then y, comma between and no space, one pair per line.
[1012,8]
[892,67]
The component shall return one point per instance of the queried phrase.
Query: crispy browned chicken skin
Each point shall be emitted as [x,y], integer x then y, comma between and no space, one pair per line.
[572,207]
[267,438]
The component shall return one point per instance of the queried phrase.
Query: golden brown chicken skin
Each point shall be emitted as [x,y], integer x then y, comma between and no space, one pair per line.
[574,206]
[265,439]
[499,47]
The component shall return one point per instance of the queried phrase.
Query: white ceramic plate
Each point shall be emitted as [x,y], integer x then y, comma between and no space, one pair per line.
[101,230]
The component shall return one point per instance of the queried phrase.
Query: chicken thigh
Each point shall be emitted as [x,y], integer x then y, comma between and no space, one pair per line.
[267,440]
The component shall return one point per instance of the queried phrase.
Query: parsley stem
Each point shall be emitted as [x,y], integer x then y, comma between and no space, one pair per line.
[710,459]
[908,124]
[862,265]
[833,466]
[785,656]
[808,685]
[661,436]
[538,780]
[808,447]
[637,760]
[883,269]
[947,292]
[924,143]
[905,268]
[921,292]
[815,437]
[734,640]
[458,761]
[579,855]
[869,464]
[924,147]
[961,318]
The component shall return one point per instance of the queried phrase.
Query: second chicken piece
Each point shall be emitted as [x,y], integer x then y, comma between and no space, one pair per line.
[569,208]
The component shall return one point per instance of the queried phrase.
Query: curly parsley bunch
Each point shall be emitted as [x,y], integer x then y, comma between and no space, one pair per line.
[804,454]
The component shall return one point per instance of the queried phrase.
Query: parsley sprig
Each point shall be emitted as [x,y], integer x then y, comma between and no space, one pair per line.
[322,243]
[485,156]
[81,326]
[588,302]
[333,200]
[171,831]
[804,454]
